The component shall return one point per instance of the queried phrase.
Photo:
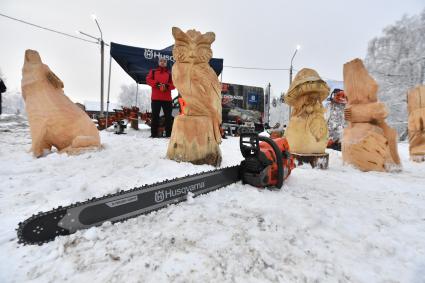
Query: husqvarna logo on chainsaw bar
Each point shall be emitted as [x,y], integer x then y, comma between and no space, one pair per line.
[162,195]
[148,54]
[159,196]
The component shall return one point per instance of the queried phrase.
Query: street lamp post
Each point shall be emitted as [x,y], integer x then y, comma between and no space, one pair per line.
[102,54]
[290,72]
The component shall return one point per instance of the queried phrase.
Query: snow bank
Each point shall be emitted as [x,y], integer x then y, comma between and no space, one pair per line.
[338,225]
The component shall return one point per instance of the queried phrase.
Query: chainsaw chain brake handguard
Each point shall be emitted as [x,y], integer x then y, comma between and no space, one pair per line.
[255,168]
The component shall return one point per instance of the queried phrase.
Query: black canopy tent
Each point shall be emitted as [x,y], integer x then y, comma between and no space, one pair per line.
[137,61]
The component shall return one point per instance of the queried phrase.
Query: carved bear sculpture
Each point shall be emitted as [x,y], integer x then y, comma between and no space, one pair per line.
[368,142]
[54,119]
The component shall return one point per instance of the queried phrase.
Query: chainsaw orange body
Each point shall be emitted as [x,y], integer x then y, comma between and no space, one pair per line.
[267,161]
[288,160]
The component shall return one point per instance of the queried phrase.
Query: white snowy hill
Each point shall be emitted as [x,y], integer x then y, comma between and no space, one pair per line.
[338,225]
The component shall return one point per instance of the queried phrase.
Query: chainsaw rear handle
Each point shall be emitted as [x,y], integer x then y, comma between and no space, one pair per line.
[279,159]
[250,148]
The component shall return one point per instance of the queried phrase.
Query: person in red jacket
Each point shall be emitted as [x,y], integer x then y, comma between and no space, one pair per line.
[162,83]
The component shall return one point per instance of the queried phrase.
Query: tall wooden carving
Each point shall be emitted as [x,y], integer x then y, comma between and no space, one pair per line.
[196,134]
[54,119]
[307,132]
[368,142]
[416,126]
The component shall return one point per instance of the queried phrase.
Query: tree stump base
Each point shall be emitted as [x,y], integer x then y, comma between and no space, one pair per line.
[316,160]
[192,140]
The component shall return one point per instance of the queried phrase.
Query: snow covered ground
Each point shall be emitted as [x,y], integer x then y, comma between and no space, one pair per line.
[338,225]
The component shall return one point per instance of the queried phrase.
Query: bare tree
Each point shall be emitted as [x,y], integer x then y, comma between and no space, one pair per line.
[279,111]
[12,101]
[127,97]
[397,61]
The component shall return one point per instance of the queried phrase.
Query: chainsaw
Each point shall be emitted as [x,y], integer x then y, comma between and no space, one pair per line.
[267,163]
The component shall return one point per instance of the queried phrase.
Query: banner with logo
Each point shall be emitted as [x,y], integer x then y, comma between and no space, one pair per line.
[137,61]
[242,103]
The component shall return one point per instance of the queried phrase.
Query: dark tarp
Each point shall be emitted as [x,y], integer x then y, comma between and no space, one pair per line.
[138,61]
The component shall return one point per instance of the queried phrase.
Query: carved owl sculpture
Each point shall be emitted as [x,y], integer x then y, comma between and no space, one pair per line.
[193,77]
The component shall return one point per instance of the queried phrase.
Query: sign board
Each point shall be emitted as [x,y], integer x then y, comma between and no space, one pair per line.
[242,104]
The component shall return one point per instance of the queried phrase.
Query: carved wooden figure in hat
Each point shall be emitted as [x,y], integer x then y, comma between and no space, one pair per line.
[196,134]
[54,119]
[416,126]
[368,142]
[307,132]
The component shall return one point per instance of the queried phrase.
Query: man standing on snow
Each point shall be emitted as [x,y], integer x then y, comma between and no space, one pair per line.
[2,89]
[162,83]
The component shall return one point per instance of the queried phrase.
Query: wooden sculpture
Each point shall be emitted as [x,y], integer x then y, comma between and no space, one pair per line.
[54,119]
[196,134]
[307,132]
[368,142]
[416,126]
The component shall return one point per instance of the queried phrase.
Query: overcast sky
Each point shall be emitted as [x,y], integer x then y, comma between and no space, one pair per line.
[248,33]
